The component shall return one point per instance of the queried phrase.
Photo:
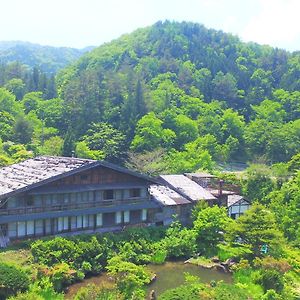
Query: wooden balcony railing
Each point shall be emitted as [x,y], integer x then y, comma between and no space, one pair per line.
[70,206]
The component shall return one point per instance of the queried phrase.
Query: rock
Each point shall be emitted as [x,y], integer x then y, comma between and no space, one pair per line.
[215,259]
[222,268]
[153,278]
[152,295]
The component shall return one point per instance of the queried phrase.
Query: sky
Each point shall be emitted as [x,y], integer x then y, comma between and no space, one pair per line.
[81,23]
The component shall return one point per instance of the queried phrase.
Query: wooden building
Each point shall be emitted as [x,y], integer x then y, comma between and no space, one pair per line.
[50,195]
[53,195]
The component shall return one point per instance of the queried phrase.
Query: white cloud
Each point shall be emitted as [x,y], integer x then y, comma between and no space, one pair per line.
[276,24]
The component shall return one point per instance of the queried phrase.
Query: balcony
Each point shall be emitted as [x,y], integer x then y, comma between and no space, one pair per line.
[70,206]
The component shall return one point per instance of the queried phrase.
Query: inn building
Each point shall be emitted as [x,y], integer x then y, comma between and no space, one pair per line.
[50,195]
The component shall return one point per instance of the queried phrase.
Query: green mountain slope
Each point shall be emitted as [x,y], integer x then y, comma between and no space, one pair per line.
[186,74]
[48,59]
[178,96]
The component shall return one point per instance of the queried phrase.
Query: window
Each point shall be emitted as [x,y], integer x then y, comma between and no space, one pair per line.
[30,201]
[135,193]
[108,195]
[233,216]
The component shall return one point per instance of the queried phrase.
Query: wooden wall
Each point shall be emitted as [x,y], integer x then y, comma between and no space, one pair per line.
[98,175]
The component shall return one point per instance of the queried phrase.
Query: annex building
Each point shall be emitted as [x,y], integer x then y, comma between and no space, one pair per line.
[50,195]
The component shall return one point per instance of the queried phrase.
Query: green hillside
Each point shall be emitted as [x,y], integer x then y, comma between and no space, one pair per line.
[197,88]
[173,97]
[48,59]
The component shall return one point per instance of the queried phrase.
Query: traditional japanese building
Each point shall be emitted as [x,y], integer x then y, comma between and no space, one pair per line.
[50,195]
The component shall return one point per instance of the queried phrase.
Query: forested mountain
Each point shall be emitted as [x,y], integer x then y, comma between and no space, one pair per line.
[176,96]
[48,59]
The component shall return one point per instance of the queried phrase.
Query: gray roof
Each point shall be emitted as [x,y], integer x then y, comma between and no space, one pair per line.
[37,169]
[234,199]
[40,170]
[166,196]
[188,187]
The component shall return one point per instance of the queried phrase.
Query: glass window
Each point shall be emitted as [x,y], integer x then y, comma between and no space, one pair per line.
[12,229]
[135,193]
[91,196]
[39,227]
[29,201]
[108,194]
[97,196]
[21,228]
[30,227]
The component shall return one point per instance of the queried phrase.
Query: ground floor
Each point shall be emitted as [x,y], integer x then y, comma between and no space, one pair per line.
[64,224]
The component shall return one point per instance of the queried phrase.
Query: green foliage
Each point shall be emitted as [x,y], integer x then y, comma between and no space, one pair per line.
[12,280]
[258,183]
[82,150]
[103,137]
[210,225]
[257,227]
[285,204]
[159,256]
[93,292]
[271,280]
[130,278]
[52,146]
[179,242]
[60,275]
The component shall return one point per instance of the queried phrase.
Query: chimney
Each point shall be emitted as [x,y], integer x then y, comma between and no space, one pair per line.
[221,187]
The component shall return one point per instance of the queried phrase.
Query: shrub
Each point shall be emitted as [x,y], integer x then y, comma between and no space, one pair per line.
[12,280]
[92,292]
[271,279]
[159,257]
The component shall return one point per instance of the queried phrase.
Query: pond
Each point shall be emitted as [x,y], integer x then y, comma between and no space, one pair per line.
[169,275]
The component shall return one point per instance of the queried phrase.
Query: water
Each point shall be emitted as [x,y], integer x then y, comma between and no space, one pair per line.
[169,275]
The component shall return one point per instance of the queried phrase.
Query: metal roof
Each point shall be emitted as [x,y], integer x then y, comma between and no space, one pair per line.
[234,199]
[187,187]
[166,196]
[40,170]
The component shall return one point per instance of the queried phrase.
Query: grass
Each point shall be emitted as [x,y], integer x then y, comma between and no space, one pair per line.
[202,261]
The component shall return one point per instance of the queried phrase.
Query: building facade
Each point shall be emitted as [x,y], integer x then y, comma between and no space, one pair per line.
[61,195]
[52,195]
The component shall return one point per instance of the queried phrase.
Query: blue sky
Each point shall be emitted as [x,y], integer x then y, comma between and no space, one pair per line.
[80,23]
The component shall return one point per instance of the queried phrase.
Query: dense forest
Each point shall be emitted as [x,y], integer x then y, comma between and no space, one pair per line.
[179,91]
[47,58]
[170,98]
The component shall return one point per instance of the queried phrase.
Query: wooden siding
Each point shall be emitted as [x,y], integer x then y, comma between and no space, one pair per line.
[98,175]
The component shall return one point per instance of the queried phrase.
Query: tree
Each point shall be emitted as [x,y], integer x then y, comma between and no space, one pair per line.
[186,130]
[130,278]
[150,134]
[257,228]
[68,147]
[82,150]
[179,242]
[210,225]
[52,146]
[7,122]
[23,131]
[258,183]
[105,138]
[17,87]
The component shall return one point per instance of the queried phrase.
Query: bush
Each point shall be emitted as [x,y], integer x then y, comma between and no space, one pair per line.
[271,279]
[159,257]
[92,292]
[12,280]
[60,275]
